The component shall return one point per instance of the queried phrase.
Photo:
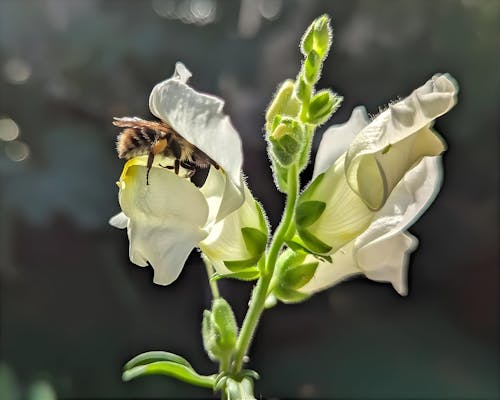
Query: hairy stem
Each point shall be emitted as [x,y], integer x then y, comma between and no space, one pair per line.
[261,289]
[210,271]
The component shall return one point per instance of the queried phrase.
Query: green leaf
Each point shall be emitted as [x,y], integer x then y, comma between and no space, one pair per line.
[255,241]
[312,242]
[308,212]
[287,295]
[296,276]
[240,265]
[249,274]
[153,356]
[299,247]
[172,369]
[308,193]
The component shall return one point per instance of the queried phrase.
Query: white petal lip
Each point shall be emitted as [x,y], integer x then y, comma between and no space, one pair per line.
[119,220]
[166,219]
[199,119]
[337,138]
[225,240]
[165,247]
[401,120]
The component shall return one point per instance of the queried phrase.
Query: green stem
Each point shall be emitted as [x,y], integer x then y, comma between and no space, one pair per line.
[261,290]
[210,271]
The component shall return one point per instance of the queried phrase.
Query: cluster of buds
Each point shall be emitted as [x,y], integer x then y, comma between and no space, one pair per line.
[296,109]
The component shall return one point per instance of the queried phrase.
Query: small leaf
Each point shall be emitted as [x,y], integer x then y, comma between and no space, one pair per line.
[312,242]
[287,295]
[172,369]
[297,276]
[249,274]
[240,265]
[255,240]
[153,356]
[307,212]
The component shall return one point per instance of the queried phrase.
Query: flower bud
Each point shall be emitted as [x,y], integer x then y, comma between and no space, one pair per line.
[302,89]
[322,35]
[312,67]
[286,141]
[219,329]
[318,37]
[284,103]
[322,106]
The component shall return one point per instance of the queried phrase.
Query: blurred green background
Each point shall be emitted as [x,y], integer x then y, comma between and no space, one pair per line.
[74,309]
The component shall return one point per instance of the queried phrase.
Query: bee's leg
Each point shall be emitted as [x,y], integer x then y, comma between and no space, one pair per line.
[215,165]
[176,166]
[190,167]
[151,158]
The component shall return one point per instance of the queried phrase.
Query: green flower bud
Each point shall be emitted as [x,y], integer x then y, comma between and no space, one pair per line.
[284,103]
[312,67]
[307,42]
[219,330]
[322,106]
[322,35]
[303,89]
[224,320]
[286,141]
[317,37]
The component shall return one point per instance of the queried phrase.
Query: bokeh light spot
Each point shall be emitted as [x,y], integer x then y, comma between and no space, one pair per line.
[17,150]
[9,130]
[16,71]
[270,9]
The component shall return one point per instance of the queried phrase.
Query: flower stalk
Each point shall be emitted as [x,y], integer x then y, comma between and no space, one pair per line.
[260,293]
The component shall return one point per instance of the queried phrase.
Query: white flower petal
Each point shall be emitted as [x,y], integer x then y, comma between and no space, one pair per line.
[181,72]
[337,138]
[397,139]
[119,220]
[165,246]
[166,217]
[382,261]
[410,198]
[345,215]
[328,274]
[199,119]
[382,251]
[386,260]
[225,241]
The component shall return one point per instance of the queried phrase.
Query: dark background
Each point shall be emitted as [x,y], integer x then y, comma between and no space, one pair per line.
[74,309]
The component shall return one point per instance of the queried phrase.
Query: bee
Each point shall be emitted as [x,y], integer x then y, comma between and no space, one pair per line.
[140,137]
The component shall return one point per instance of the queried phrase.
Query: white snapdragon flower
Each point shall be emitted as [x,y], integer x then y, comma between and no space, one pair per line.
[372,180]
[166,219]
